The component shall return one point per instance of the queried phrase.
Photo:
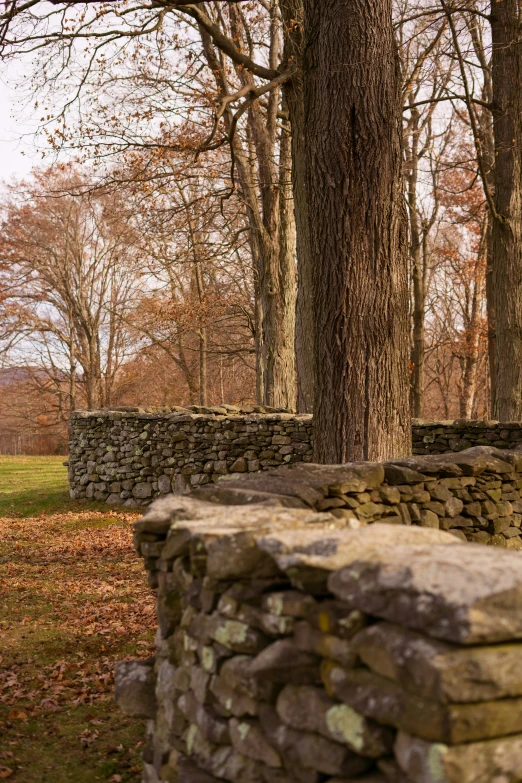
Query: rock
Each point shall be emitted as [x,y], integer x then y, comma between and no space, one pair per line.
[438,589]
[283,662]
[213,728]
[438,670]
[311,640]
[232,703]
[248,740]
[289,602]
[453,507]
[114,499]
[164,484]
[239,465]
[496,761]
[226,495]
[142,490]
[134,688]
[309,750]
[306,708]
[330,550]
[389,704]
[396,474]
[235,635]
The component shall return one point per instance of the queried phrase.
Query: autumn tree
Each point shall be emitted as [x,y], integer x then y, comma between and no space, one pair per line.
[71,276]
[199,310]
[229,66]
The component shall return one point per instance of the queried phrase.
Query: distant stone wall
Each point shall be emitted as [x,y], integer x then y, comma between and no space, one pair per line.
[130,456]
[293,648]
[438,437]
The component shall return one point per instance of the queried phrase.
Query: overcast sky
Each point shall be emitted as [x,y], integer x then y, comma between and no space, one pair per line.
[12,128]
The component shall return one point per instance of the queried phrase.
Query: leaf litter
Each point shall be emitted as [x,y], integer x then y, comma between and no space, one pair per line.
[75,600]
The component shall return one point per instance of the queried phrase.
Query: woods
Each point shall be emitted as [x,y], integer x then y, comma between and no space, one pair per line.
[310,206]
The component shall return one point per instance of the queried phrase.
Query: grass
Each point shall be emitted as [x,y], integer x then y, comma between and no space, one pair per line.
[74,599]
[36,485]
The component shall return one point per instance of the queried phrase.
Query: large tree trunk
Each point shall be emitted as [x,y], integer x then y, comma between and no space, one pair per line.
[507,223]
[292,14]
[358,237]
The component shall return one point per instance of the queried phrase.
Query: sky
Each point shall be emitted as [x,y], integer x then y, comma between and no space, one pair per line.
[15,139]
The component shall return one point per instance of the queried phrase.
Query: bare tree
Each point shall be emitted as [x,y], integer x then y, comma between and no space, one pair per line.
[70,278]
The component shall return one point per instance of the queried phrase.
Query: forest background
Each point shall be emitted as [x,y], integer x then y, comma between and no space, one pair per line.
[151,258]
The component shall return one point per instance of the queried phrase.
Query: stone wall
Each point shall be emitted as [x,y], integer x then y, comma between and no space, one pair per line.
[438,437]
[293,648]
[130,456]
[133,455]
[474,494]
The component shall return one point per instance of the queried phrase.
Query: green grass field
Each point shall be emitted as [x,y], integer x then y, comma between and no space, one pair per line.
[74,599]
[30,486]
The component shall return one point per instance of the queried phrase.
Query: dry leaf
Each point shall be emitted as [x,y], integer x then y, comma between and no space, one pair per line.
[17,715]
[6,772]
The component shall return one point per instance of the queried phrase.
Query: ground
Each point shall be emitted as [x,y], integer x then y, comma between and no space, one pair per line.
[74,600]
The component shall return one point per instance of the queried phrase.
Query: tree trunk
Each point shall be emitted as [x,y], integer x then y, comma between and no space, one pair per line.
[507,223]
[469,375]
[417,272]
[203,366]
[359,244]
[418,347]
[279,310]
[492,335]
[292,14]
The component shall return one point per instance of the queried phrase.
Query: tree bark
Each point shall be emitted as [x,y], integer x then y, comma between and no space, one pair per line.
[417,273]
[507,222]
[292,15]
[359,245]
[280,348]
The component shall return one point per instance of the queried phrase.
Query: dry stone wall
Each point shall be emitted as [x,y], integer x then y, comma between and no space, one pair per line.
[305,646]
[438,437]
[130,456]
[474,494]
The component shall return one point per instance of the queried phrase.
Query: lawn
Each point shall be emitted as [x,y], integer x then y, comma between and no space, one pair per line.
[34,485]
[74,599]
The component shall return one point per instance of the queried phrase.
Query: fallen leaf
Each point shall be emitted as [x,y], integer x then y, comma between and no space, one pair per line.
[17,715]
[6,772]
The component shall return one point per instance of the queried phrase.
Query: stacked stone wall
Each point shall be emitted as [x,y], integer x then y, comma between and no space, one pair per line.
[130,457]
[293,648]
[439,437]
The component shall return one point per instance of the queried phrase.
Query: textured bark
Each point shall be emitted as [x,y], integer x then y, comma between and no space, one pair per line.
[487,147]
[492,331]
[292,15]
[507,223]
[282,344]
[358,231]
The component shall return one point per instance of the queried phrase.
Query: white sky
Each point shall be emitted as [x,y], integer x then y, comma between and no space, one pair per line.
[15,137]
